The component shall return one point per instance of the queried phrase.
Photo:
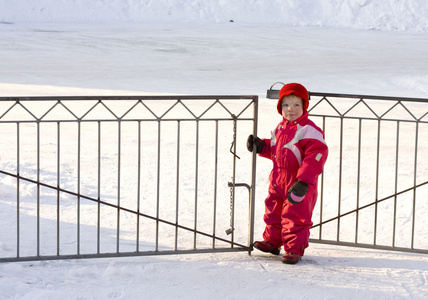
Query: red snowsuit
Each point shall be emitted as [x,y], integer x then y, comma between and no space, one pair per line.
[298,151]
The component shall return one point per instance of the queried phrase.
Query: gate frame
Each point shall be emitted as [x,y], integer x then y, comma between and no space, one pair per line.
[274,94]
[58,100]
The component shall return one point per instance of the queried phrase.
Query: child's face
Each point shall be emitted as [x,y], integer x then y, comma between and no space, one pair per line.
[292,107]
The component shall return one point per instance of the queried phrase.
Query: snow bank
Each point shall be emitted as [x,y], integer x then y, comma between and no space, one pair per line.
[389,15]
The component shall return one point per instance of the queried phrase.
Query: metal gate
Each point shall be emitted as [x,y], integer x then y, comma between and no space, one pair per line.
[85,177]
[373,192]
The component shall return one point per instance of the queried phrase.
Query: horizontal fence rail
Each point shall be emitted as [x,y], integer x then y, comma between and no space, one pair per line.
[112,176]
[374,185]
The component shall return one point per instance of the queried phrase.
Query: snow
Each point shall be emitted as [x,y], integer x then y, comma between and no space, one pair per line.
[358,14]
[107,47]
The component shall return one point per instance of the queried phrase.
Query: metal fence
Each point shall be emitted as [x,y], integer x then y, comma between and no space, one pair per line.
[85,177]
[373,192]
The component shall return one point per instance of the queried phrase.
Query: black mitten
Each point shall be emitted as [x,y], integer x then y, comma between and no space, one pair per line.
[297,192]
[251,141]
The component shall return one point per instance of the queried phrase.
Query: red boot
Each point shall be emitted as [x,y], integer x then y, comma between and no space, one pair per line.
[291,258]
[266,246]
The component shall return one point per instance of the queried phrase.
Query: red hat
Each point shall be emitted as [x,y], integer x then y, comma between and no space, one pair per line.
[296,89]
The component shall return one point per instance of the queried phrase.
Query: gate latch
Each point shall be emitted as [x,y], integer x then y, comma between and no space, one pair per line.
[231,185]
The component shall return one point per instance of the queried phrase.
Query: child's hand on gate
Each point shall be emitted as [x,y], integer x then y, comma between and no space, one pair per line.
[251,141]
[297,192]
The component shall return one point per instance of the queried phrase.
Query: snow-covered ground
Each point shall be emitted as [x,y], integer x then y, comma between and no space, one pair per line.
[358,14]
[167,47]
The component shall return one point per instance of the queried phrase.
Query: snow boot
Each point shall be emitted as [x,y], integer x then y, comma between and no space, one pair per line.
[291,258]
[266,246]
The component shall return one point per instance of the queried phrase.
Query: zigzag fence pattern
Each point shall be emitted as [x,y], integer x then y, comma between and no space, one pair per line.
[85,177]
[373,192]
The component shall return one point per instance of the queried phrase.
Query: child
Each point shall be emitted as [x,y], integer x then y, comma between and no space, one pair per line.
[298,151]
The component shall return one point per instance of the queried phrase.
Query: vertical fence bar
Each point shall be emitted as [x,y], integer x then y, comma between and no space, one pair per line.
[119,141]
[158,186]
[412,246]
[215,182]
[397,146]
[377,183]
[321,201]
[58,184]
[253,178]
[322,191]
[340,179]
[38,188]
[78,183]
[138,185]
[232,200]
[177,187]
[18,237]
[358,180]
[196,183]
[98,186]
